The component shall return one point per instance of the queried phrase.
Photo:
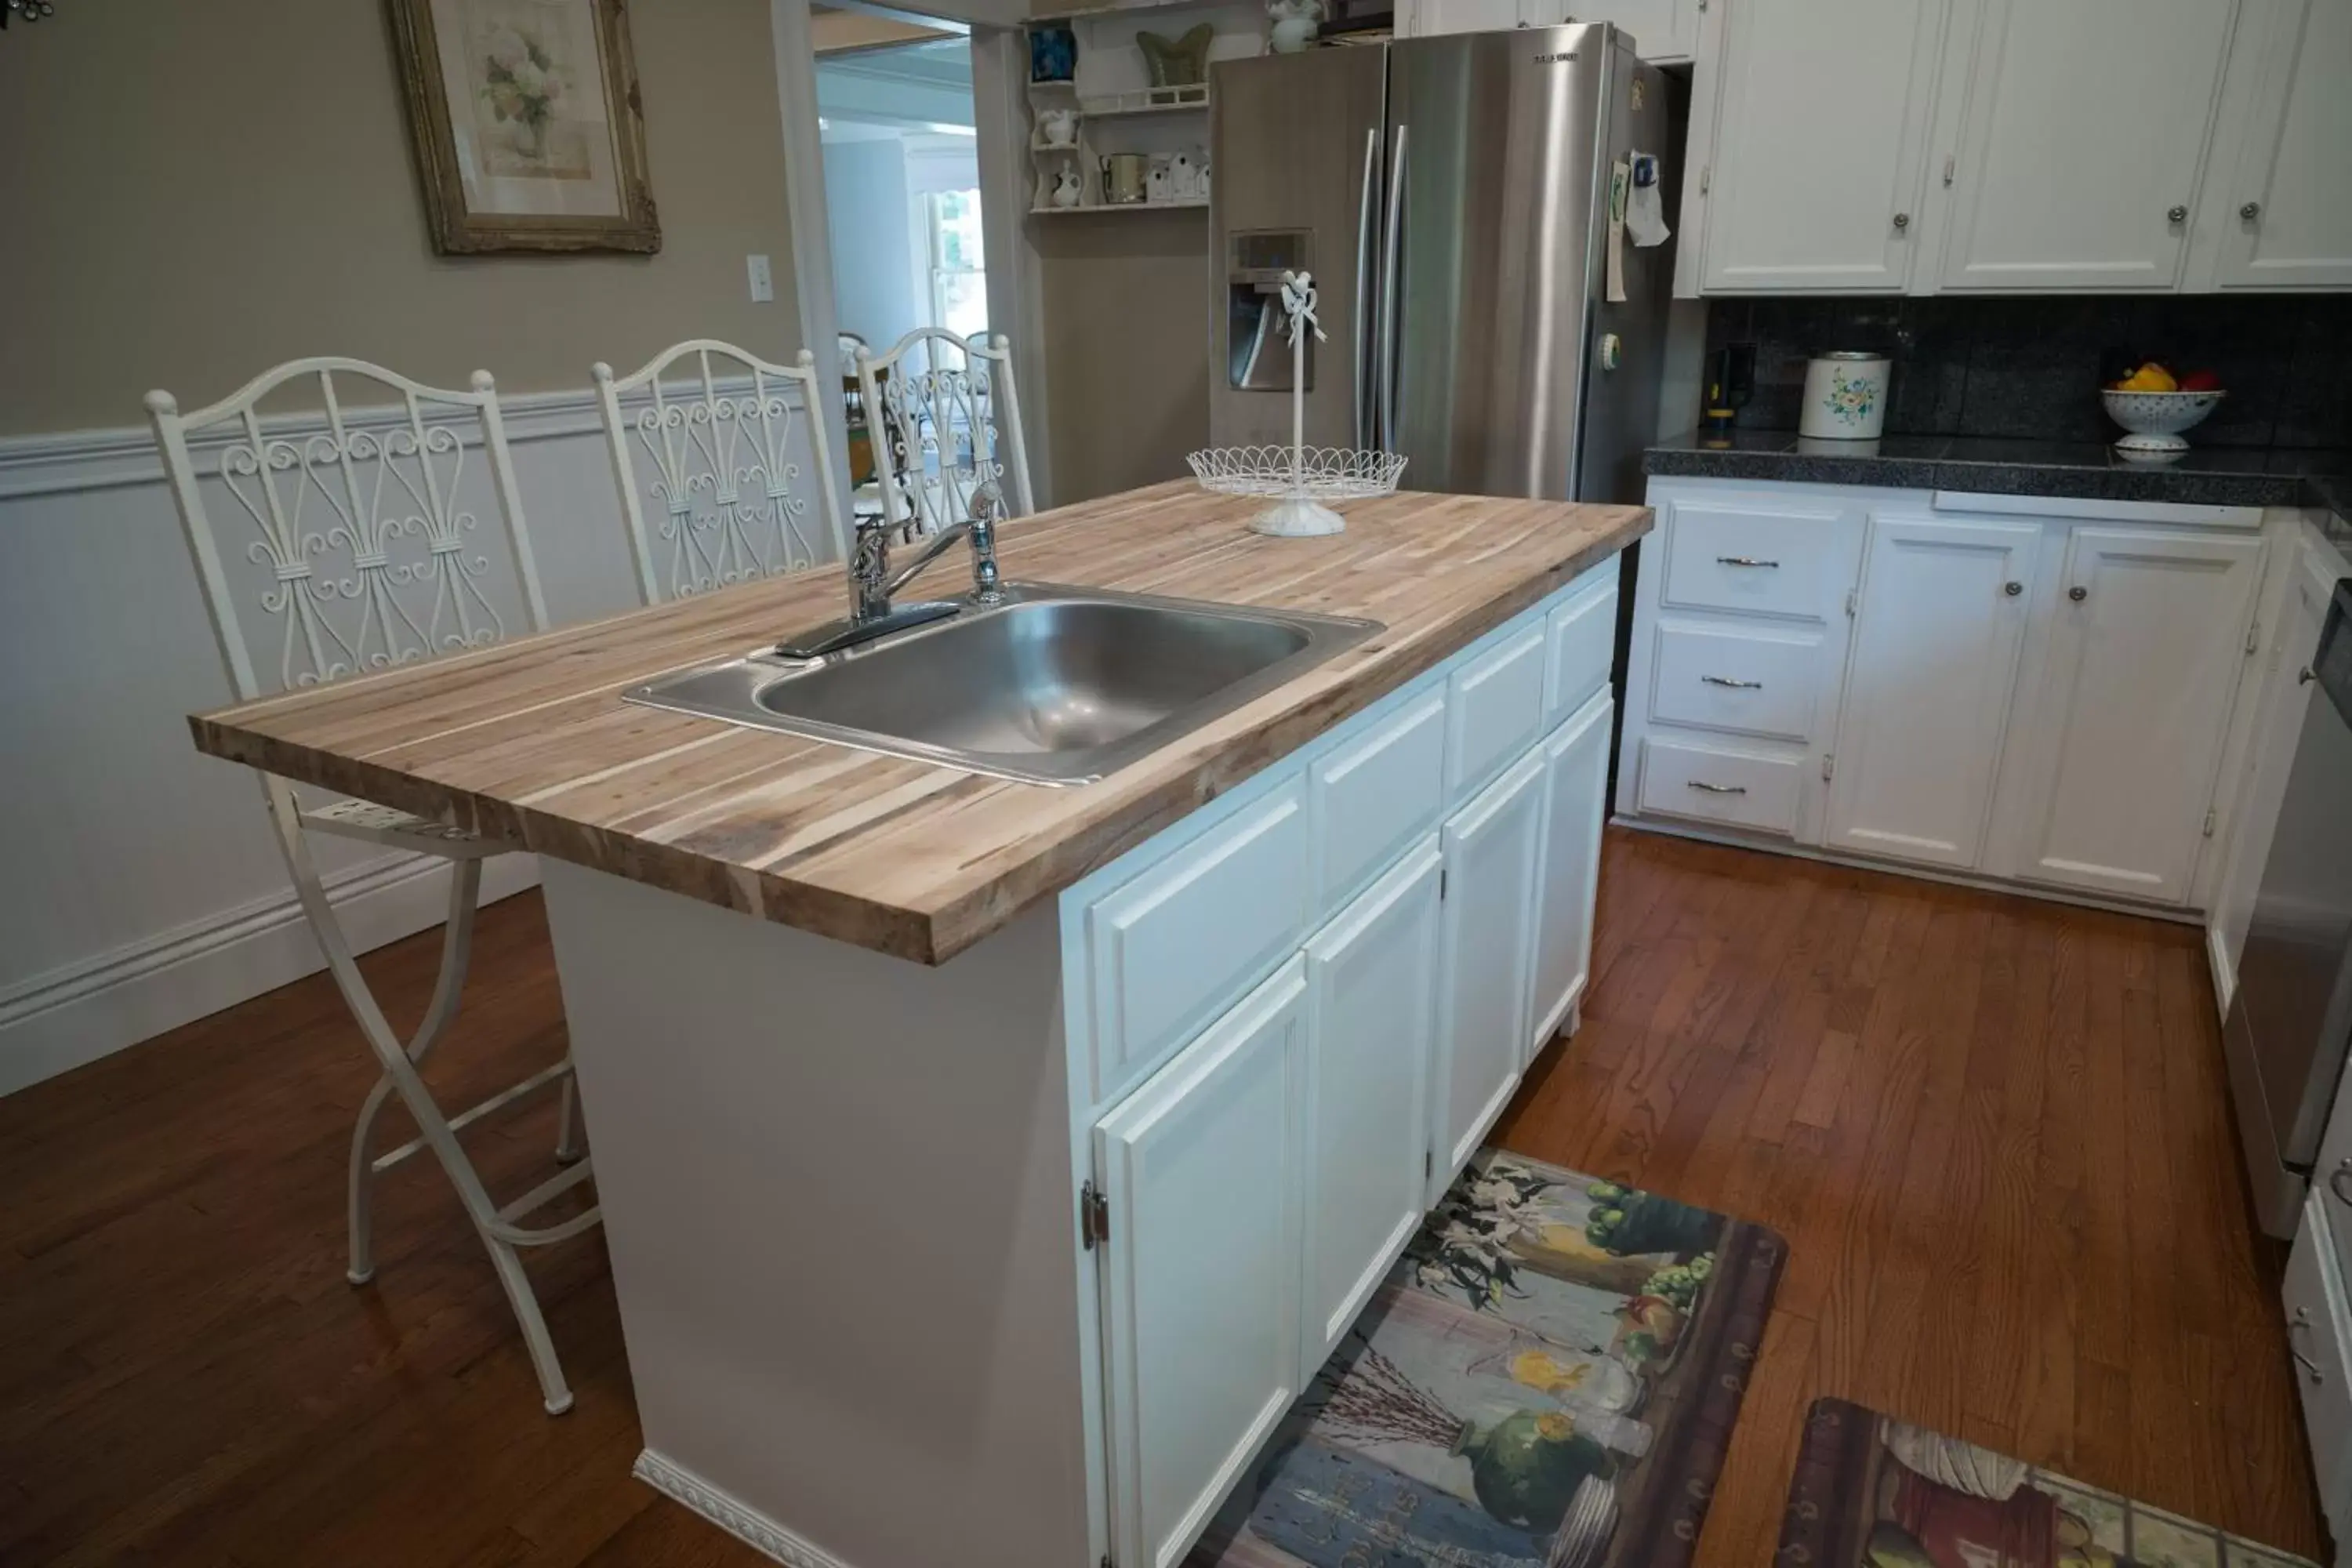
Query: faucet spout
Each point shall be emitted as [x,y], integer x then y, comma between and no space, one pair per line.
[872,584]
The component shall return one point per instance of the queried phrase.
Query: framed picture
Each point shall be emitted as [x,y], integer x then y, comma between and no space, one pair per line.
[526,122]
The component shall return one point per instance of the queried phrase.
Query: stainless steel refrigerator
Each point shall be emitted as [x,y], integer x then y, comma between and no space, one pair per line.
[1452,198]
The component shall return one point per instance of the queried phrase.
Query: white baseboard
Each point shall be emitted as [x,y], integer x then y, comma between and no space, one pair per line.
[59,1020]
[746,1524]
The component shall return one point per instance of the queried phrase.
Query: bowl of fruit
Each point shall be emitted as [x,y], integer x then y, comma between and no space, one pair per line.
[2154,407]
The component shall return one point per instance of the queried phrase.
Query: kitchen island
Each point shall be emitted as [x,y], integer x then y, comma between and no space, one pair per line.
[985,1166]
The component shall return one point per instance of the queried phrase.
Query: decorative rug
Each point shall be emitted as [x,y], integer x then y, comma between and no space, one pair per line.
[1874,1492]
[1547,1379]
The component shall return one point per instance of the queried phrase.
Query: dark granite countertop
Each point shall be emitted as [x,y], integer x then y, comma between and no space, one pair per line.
[2208,476]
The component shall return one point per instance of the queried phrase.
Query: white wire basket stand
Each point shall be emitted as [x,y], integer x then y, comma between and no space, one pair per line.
[1300,479]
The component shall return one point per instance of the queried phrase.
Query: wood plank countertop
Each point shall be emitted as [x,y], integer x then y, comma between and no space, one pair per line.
[530,743]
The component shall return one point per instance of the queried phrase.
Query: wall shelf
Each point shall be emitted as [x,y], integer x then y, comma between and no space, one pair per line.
[1188,204]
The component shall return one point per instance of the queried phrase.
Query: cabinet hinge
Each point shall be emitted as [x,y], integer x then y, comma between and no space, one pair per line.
[1829,765]
[1852,600]
[2209,822]
[2253,636]
[1094,1220]
[1706,173]
[1428,1163]
[1950,163]
[1441,884]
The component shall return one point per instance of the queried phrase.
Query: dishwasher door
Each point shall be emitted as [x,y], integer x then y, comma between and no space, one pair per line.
[2290,1022]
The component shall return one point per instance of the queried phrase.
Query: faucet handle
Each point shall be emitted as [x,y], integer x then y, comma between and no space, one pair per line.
[987,503]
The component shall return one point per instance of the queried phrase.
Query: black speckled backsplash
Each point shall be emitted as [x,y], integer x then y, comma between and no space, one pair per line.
[2030,366]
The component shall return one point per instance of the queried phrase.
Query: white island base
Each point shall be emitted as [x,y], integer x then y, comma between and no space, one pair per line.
[1017,1260]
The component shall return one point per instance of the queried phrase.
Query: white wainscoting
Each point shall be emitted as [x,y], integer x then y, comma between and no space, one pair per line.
[142,888]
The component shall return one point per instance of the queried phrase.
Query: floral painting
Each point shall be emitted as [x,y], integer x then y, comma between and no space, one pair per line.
[1547,1379]
[1874,1492]
[526,119]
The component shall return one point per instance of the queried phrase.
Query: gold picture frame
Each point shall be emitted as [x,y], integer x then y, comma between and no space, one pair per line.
[528,128]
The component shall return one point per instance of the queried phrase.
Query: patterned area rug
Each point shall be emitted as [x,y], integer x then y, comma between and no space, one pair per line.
[1547,1379]
[1874,1492]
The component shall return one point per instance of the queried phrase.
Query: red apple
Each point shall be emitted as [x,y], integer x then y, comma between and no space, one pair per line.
[2200,380]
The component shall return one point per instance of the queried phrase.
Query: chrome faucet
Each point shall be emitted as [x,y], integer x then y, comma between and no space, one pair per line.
[872,584]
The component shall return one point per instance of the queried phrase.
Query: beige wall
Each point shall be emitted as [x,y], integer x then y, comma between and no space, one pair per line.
[1126,346]
[192,191]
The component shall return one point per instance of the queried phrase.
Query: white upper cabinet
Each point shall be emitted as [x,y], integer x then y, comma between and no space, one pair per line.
[2147,649]
[1665,32]
[1940,617]
[2279,199]
[1820,140]
[2083,128]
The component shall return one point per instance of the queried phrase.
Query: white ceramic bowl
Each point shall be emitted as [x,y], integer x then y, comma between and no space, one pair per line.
[2156,419]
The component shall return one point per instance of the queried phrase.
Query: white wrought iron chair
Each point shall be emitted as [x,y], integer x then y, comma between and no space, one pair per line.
[361,548]
[945,420]
[719,441]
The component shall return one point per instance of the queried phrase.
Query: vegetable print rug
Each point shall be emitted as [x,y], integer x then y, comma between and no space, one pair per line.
[1874,1492]
[1547,1379]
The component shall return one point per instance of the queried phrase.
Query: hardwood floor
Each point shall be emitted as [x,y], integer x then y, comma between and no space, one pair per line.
[1994,1131]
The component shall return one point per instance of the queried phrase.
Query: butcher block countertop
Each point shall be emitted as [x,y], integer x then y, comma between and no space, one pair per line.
[530,743]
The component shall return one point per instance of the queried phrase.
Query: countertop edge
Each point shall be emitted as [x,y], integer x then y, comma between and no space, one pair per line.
[932,935]
[1986,476]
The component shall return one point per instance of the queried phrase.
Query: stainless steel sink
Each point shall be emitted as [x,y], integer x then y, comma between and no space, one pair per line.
[1055,685]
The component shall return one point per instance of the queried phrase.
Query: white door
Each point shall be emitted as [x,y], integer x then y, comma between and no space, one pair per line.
[1485,962]
[2146,645]
[1819,144]
[1202,1174]
[1575,776]
[1937,625]
[1371,985]
[2284,211]
[2083,132]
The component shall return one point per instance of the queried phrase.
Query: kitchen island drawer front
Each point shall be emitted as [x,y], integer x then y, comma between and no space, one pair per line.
[1750,683]
[1374,795]
[1167,950]
[1680,778]
[2318,1327]
[1581,644]
[1496,709]
[1752,557]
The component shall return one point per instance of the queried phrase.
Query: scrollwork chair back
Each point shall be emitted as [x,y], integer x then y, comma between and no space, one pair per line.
[947,420]
[719,441]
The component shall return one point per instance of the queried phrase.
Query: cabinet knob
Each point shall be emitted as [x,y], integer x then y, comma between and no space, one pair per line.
[2012,589]
[2336,1181]
[1902,220]
[2305,677]
[2250,211]
[2177,213]
[2078,595]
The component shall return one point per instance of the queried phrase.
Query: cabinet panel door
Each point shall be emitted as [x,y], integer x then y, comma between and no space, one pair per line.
[1485,957]
[2142,668]
[1203,1170]
[2293,169]
[1575,777]
[1371,984]
[1820,139]
[1940,619]
[2084,127]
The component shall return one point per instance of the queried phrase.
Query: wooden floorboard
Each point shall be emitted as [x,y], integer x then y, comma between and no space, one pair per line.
[1993,1130]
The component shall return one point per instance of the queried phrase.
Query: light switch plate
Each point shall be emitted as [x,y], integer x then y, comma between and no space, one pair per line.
[763,282]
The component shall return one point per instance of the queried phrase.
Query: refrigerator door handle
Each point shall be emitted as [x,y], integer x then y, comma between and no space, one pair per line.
[1386,367]
[1365,313]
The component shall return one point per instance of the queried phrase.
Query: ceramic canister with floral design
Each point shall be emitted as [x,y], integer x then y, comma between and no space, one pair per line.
[1845,396]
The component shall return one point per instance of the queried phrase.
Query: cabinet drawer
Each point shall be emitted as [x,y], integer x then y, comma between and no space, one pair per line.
[2316,1329]
[1581,638]
[1373,796]
[1746,682]
[1682,778]
[1170,948]
[1732,556]
[1495,708]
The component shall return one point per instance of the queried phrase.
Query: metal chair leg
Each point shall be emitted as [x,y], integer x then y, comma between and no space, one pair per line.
[567,1123]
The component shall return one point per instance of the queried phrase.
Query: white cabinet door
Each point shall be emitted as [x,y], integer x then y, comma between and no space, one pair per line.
[1485,964]
[1371,985]
[2145,648]
[1575,777]
[1938,622]
[1821,135]
[1203,1172]
[2283,211]
[2081,141]
[1425,18]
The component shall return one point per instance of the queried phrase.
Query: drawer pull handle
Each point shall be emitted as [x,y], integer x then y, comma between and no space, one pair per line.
[1716,789]
[2302,1319]
[2336,1179]
[1735,685]
[2078,594]
[1744,560]
[2012,589]
[2310,1367]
